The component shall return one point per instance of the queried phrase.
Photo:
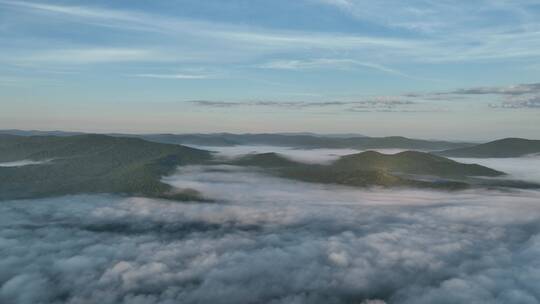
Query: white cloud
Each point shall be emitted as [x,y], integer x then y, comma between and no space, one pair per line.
[454,42]
[93,55]
[521,168]
[85,14]
[268,240]
[310,156]
[174,76]
[329,63]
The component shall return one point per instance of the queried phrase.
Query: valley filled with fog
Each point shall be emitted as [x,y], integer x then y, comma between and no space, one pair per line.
[264,239]
[522,168]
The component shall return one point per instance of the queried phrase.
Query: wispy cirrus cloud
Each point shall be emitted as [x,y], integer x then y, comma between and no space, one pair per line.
[468,31]
[127,19]
[85,14]
[206,39]
[486,43]
[432,16]
[332,63]
[418,16]
[174,76]
[92,55]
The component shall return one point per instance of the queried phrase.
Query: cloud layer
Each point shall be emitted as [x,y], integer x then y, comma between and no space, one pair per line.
[436,32]
[520,96]
[377,103]
[268,240]
[308,156]
[513,97]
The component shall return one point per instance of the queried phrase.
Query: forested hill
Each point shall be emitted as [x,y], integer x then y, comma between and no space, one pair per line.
[507,147]
[370,168]
[90,164]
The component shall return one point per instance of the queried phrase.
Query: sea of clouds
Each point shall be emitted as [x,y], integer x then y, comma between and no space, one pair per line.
[269,240]
[522,168]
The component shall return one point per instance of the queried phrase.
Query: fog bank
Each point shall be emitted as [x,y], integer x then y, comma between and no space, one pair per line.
[269,240]
[523,168]
[309,156]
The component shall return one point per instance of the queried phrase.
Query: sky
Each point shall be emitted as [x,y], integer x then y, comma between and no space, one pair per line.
[419,68]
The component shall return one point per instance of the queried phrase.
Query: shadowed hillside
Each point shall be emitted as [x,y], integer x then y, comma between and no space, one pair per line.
[410,168]
[91,164]
[412,162]
[508,147]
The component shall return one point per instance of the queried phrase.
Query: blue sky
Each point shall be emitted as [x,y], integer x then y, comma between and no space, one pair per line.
[421,68]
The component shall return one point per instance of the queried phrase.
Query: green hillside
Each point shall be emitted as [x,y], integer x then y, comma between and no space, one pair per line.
[508,147]
[410,168]
[91,164]
[413,162]
[364,178]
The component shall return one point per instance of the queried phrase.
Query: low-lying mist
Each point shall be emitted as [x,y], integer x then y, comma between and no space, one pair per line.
[270,240]
[523,168]
[310,156]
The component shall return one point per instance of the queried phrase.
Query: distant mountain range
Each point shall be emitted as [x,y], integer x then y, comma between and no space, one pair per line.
[507,147]
[38,133]
[296,140]
[305,141]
